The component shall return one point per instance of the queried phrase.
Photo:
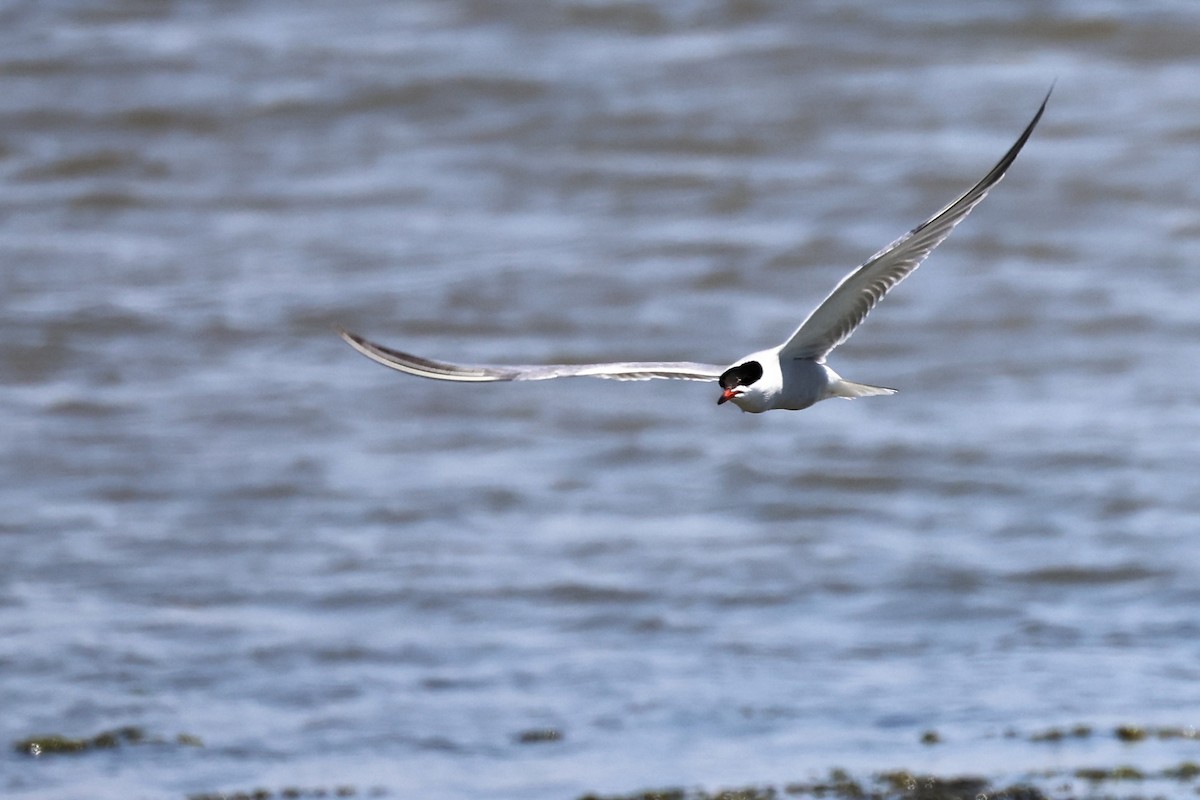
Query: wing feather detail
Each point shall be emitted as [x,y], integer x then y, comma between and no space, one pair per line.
[832,322]
[490,373]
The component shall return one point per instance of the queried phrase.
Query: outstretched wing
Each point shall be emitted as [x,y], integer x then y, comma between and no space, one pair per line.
[832,322]
[481,373]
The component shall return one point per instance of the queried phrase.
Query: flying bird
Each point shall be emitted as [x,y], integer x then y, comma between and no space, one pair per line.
[792,375]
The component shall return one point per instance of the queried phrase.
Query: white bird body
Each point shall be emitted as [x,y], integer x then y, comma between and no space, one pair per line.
[791,376]
[793,384]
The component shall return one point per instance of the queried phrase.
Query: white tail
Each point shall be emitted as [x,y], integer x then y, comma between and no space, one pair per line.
[851,390]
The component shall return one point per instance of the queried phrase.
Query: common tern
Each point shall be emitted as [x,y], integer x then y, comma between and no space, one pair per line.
[792,375]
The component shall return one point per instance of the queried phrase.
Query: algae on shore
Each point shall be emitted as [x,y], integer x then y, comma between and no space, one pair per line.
[56,743]
[906,785]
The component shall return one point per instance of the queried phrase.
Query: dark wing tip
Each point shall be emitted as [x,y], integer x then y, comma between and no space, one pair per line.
[426,367]
[347,335]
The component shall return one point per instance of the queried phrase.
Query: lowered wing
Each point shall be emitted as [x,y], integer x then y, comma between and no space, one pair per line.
[482,373]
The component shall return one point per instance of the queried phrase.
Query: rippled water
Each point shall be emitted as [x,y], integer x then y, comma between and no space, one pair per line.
[218,520]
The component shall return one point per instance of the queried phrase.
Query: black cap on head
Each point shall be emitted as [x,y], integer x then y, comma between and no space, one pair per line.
[741,375]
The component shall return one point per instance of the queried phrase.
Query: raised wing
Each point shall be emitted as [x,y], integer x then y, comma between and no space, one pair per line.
[481,373]
[832,322]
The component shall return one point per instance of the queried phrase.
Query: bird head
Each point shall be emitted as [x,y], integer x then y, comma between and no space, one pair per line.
[737,379]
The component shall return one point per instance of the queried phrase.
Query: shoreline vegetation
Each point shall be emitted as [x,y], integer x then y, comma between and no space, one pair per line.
[904,785]
[130,735]
[1123,780]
